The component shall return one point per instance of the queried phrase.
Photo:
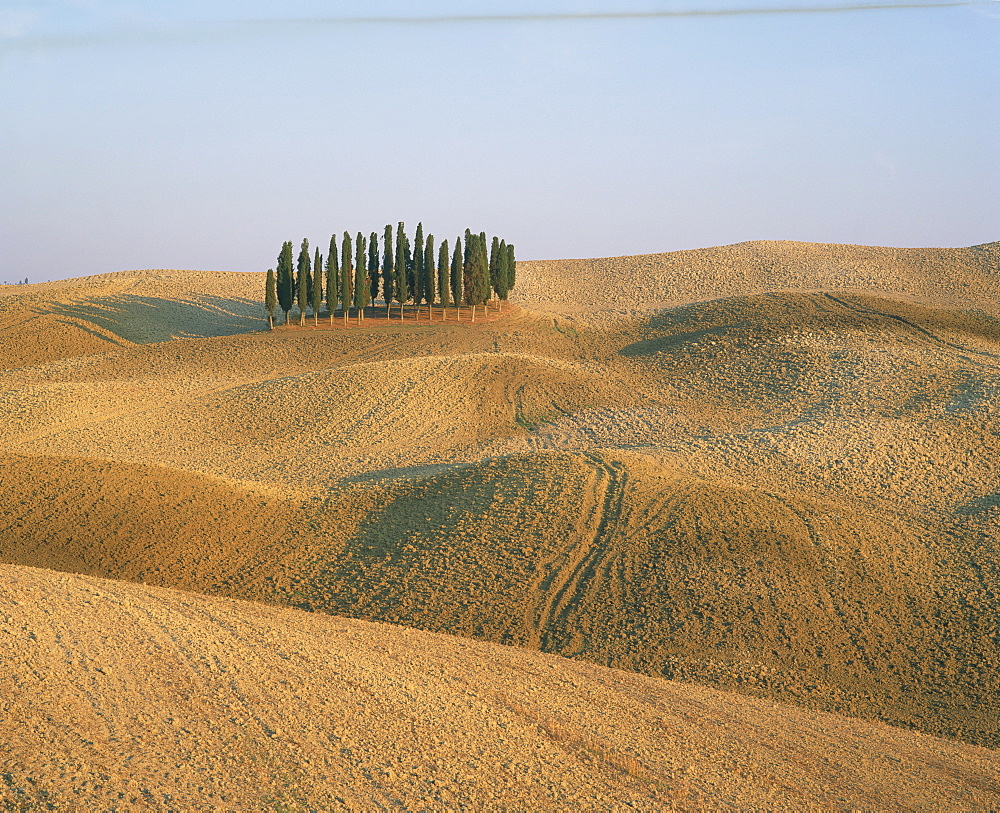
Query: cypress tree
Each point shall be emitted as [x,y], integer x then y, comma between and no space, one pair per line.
[346,275]
[429,273]
[332,278]
[411,275]
[456,276]
[360,277]
[495,265]
[479,274]
[511,267]
[316,299]
[285,286]
[388,275]
[302,266]
[417,283]
[502,274]
[270,297]
[444,278]
[467,267]
[400,286]
[373,268]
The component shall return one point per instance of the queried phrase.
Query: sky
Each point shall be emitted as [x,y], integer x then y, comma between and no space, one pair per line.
[201,134]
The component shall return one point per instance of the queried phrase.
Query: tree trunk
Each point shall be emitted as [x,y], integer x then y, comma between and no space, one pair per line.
[270,320]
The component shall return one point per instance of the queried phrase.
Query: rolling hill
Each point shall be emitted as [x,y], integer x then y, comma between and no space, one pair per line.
[766,468]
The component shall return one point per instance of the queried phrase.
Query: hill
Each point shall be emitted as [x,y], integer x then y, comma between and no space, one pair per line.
[119,696]
[781,484]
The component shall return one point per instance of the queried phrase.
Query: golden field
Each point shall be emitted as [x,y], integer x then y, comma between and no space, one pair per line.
[747,493]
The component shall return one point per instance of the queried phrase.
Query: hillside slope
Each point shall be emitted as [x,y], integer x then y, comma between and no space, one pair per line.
[118,696]
[790,493]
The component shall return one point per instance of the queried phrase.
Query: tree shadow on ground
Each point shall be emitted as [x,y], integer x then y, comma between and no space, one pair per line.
[145,319]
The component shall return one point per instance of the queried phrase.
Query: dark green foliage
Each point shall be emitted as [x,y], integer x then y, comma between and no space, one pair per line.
[495,264]
[285,283]
[388,275]
[444,275]
[457,272]
[346,274]
[360,275]
[511,267]
[411,271]
[332,278]
[316,295]
[500,285]
[480,276]
[417,280]
[373,267]
[401,286]
[467,265]
[427,270]
[270,296]
[302,281]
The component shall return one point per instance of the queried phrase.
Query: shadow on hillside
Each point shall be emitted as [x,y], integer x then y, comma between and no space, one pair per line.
[979,505]
[783,314]
[145,319]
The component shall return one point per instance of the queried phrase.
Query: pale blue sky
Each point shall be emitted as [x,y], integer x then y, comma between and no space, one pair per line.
[202,134]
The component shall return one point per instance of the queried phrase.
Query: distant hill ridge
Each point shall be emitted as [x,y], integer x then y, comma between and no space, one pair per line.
[629,284]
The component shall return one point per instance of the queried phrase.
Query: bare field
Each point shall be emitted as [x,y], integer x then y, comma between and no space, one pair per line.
[123,697]
[767,468]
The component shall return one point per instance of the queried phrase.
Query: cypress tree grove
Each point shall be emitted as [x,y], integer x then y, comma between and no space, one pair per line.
[360,277]
[417,281]
[456,276]
[270,297]
[346,274]
[388,276]
[373,268]
[400,286]
[332,278]
[429,273]
[303,263]
[444,278]
[285,287]
[316,299]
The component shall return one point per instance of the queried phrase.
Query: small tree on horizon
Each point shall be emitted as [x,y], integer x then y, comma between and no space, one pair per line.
[303,281]
[285,282]
[270,297]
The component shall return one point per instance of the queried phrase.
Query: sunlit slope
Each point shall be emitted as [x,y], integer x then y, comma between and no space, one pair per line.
[625,561]
[121,696]
[637,284]
[618,558]
[790,493]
